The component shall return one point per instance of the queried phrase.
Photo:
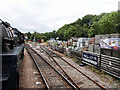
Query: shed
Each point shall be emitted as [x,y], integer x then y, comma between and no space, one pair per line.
[71,40]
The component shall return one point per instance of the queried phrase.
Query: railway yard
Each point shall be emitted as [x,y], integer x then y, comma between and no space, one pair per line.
[43,67]
[58,44]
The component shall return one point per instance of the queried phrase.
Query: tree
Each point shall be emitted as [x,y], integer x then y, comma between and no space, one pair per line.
[32,36]
[94,29]
[87,19]
[108,23]
[28,34]
[88,26]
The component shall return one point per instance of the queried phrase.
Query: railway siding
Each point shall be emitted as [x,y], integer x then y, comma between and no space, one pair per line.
[52,76]
[98,78]
[74,74]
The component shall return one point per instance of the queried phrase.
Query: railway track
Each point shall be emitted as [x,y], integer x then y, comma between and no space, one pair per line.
[45,84]
[51,76]
[66,67]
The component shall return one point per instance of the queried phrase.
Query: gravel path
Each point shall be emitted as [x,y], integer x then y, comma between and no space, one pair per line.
[29,74]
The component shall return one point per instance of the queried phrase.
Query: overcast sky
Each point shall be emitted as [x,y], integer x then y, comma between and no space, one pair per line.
[48,15]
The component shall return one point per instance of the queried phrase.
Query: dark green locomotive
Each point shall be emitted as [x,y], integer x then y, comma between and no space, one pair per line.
[11,55]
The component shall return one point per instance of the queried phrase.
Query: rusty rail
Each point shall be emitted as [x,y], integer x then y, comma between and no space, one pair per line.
[80,71]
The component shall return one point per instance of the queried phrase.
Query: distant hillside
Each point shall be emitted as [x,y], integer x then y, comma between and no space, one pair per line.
[88,26]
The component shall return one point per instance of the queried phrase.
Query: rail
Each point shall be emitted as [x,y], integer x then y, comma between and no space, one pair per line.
[102,87]
[54,69]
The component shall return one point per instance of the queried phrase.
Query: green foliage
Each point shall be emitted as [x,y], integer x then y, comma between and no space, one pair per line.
[93,69]
[108,23]
[28,34]
[88,26]
[32,37]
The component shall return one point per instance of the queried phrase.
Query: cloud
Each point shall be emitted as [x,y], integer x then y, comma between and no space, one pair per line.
[48,15]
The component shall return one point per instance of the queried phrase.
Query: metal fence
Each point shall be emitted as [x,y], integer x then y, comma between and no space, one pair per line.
[106,60]
[110,65]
